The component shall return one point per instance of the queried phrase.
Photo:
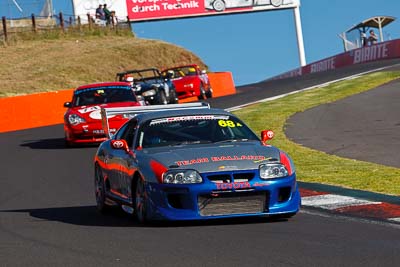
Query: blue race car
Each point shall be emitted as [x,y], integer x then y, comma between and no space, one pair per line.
[191,162]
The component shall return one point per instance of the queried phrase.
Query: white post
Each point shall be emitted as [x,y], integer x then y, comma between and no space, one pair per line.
[299,32]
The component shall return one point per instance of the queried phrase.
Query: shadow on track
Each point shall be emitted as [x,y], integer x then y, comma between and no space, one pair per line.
[53,143]
[88,216]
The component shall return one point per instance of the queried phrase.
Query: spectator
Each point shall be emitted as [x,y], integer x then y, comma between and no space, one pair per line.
[107,13]
[100,13]
[373,39]
[364,39]
[113,19]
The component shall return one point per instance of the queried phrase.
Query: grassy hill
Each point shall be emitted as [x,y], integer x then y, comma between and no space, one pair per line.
[49,64]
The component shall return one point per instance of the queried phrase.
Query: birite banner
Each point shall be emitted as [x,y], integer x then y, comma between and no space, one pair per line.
[377,52]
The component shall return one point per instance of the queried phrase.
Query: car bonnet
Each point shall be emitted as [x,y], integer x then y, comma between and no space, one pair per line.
[227,157]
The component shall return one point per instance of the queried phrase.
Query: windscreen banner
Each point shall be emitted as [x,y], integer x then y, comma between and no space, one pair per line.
[147,10]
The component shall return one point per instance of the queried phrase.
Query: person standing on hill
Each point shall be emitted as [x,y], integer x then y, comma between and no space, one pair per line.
[107,13]
[100,13]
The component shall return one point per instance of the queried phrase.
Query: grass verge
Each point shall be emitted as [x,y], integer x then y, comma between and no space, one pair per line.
[316,166]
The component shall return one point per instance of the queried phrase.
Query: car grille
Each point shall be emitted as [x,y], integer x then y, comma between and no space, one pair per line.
[232,203]
[231,177]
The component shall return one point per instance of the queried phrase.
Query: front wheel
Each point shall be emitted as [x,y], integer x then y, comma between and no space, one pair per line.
[209,93]
[100,191]
[140,201]
[172,96]
[203,94]
[162,98]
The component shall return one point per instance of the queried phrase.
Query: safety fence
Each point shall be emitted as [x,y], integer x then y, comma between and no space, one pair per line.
[61,23]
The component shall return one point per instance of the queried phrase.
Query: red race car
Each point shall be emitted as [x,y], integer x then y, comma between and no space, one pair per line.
[189,81]
[82,121]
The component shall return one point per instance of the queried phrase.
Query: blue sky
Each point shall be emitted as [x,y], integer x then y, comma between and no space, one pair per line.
[256,46]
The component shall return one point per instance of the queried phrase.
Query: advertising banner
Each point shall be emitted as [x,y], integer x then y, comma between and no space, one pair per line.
[145,10]
[376,52]
[141,10]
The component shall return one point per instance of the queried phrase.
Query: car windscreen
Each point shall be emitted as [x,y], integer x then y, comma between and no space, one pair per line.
[194,129]
[104,94]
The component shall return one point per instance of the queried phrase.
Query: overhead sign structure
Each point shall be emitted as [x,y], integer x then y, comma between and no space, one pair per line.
[150,10]
[140,10]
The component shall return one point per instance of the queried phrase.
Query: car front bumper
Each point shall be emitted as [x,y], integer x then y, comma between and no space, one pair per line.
[209,200]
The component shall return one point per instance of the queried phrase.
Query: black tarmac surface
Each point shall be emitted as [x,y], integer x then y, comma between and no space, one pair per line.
[364,126]
[48,217]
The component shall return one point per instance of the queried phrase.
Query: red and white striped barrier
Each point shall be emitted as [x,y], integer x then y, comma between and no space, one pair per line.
[352,206]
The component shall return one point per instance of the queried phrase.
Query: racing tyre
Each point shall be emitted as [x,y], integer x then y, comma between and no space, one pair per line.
[173,97]
[218,5]
[203,94]
[140,201]
[100,191]
[162,98]
[209,93]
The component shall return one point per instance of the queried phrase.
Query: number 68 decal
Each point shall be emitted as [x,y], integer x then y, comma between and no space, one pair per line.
[229,123]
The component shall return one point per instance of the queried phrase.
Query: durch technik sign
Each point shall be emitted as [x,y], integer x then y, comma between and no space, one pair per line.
[144,10]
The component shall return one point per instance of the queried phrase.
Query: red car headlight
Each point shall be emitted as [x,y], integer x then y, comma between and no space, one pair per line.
[75,119]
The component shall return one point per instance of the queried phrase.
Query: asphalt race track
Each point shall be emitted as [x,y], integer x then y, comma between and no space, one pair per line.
[371,133]
[48,215]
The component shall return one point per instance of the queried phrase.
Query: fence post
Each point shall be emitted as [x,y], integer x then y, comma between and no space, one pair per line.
[129,23]
[33,23]
[61,21]
[89,21]
[5,28]
[79,23]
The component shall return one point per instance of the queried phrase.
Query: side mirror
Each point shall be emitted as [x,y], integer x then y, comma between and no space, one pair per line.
[266,135]
[67,104]
[120,144]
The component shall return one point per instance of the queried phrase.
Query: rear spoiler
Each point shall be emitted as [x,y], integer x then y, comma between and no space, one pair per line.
[130,112]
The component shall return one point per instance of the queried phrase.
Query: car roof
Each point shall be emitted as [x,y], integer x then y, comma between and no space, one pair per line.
[183,66]
[103,84]
[183,112]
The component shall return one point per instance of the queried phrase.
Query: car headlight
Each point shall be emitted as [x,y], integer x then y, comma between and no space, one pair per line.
[149,93]
[272,170]
[74,119]
[182,177]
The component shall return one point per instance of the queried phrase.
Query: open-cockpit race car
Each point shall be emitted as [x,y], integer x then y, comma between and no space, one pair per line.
[192,162]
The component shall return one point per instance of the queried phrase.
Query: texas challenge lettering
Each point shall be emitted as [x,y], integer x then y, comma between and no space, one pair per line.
[162,5]
[221,158]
